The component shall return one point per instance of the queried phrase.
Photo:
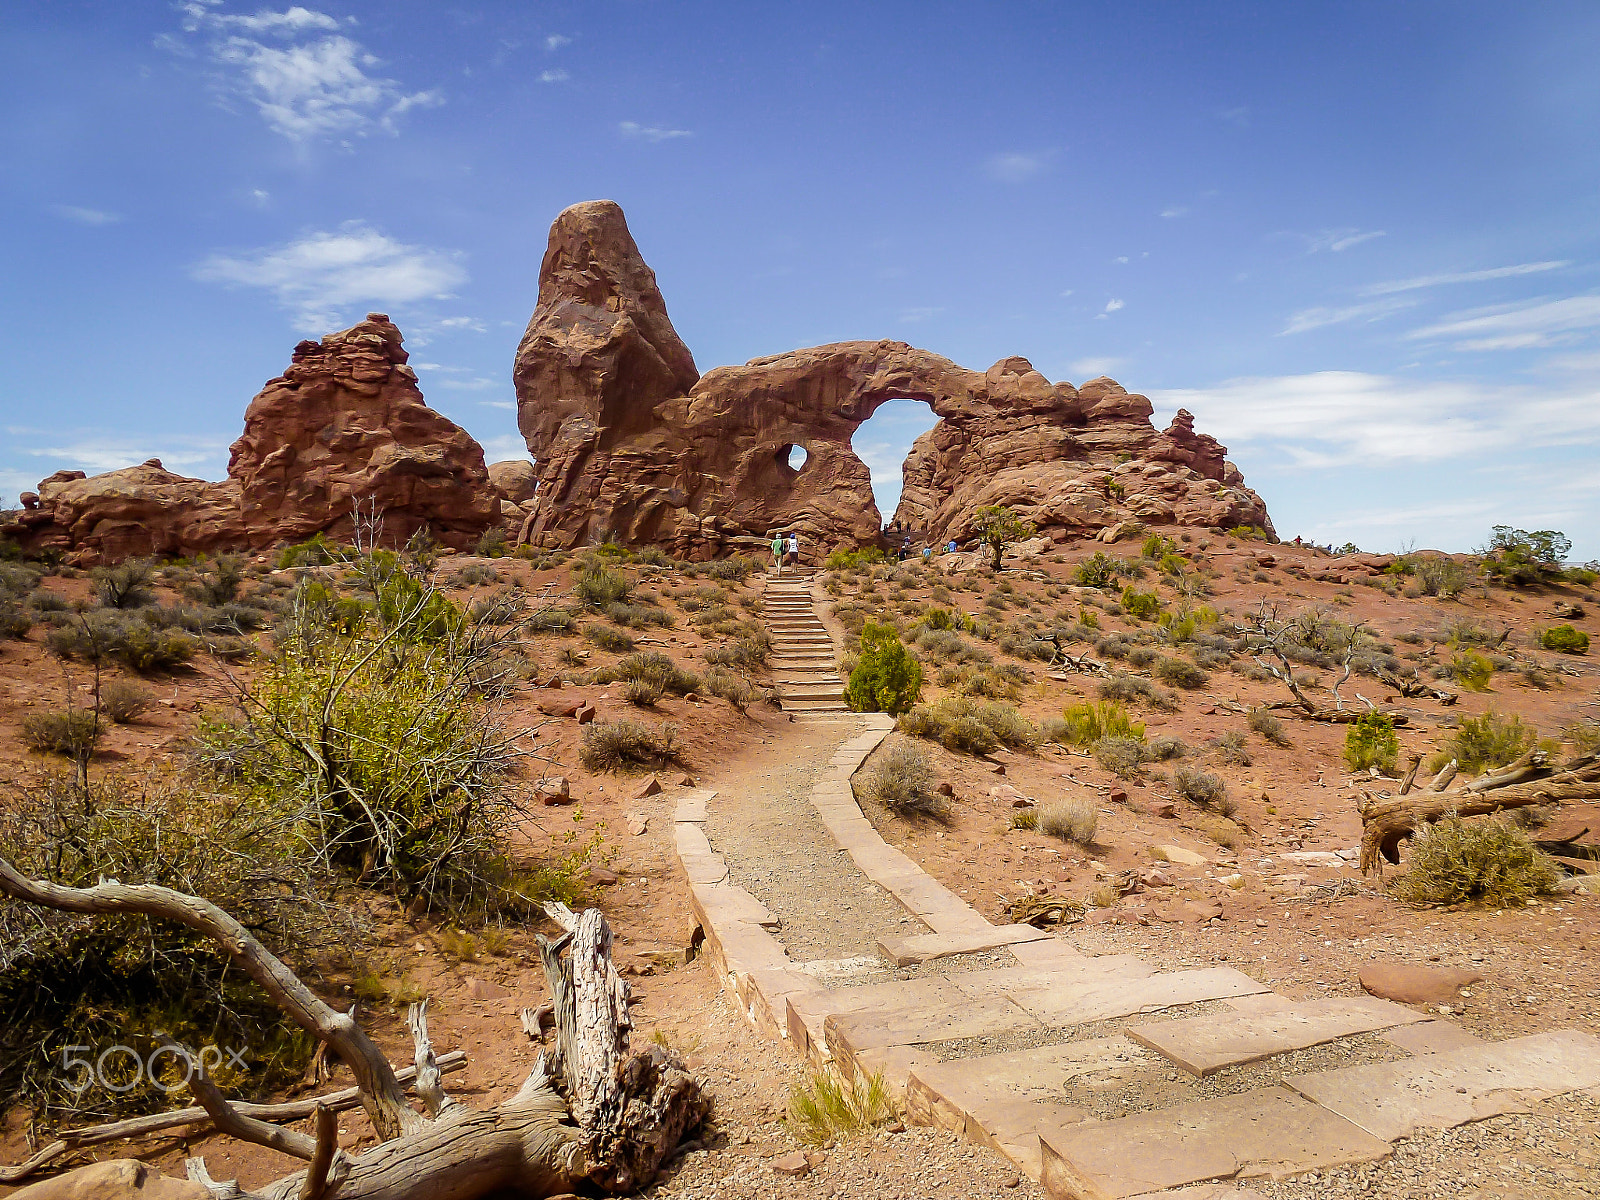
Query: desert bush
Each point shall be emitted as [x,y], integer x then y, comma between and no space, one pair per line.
[1141,605]
[1584,738]
[1231,748]
[1492,740]
[621,745]
[1180,672]
[1455,861]
[1522,558]
[123,700]
[965,726]
[599,585]
[1131,688]
[1220,830]
[1163,749]
[638,616]
[736,689]
[1268,726]
[476,574]
[746,652]
[1203,789]
[126,585]
[45,601]
[119,979]
[901,778]
[1122,756]
[1472,670]
[607,638]
[1141,656]
[315,551]
[1212,660]
[1371,742]
[1072,819]
[653,666]
[69,731]
[1055,729]
[551,620]
[1099,570]
[829,1107]
[218,581]
[1087,722]
[738,567]
[886,677]
[1566,639]
[643,692]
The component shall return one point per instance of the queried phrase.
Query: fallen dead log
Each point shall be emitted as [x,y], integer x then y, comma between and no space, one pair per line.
[1416,687]
[1336,716]
[1387,824]
[590,1114]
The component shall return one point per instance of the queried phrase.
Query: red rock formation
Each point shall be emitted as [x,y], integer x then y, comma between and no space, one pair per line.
[346,423]
[630,441]
[130,513]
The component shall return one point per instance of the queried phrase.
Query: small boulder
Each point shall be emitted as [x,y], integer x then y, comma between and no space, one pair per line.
[484,989]
[556,790]
[1408,983]
[793,1165]
[1009,795]
[650,787]
[585,714]
[114,1179]
[1183,857]
[602,877]
[555,706]
[637,826]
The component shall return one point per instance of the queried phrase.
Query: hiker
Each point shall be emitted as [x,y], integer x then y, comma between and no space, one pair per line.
[927,553]
[793,549]
[905,548]
[777,551]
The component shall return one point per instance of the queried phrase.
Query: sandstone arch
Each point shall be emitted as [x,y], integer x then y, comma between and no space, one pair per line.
[632,441]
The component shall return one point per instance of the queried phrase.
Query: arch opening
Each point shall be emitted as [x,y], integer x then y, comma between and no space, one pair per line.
[883,442]
[793,456]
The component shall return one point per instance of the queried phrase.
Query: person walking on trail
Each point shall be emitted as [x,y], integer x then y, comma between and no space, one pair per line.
[777,551]
[793,549]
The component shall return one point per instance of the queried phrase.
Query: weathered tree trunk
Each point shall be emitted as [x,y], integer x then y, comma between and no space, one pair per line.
[1389,823]
[588,1113]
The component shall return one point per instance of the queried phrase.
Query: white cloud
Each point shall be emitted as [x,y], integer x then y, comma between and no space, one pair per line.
[322,275]
[509,405]
[650,133]
[1176,210]
[85,216]
[1540,322]
[1093,368]
[1427,281]
[308,80]
[1066,293]
[1317,318]
[1341,239]
[1121,258]
[557,40]
[95,453]
[1114,305]
[1016,168]
[556,76]
[506,446]
[1349,418]
[912,315]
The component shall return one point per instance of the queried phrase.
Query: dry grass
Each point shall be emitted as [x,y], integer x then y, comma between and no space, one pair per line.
[1490,861]
[901,778]
[828,1106]
[618,745]
[1073,819]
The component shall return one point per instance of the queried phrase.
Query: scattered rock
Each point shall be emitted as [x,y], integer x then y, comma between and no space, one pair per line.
[794,1165]
[557,790]
[114,1179]
[637,826]
[558,707]
[555,681]
[1008,795]
[1409,983]
[1181,856]
[945,788]
[650,787]
[1117,796]
[602,877]
[585,714]
[685,780]
[997,769]
[484,989]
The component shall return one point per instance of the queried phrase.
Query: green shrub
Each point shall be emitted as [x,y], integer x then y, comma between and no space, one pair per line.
[126,585]
[419,612]
[1522,558]
[314,552]
[1142,605]
[219,581]
[1490,861]
[71,731]
[1163,749]
[1088,722]
[15,620]
[850,560]
[1180,672]
[491,543]
[1472,670]
[1565,639]
[901,778]
[967,727]
[1099,571]
[643,692]
[598,585]
[147,650]
[1131,688]
[620,745]
[886,677]
[551,620]
[1492,740]
[1371,742]
[654,667]
[1073,819]
[607,638]
[1122,756]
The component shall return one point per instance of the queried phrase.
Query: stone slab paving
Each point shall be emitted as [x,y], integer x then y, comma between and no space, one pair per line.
[1270,1132]
[1205,1045]
[1013,1101]
[1452,1087]
[803,654]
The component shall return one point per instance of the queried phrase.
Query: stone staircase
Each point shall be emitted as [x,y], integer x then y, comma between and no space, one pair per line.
[804,668]
[1101,1077]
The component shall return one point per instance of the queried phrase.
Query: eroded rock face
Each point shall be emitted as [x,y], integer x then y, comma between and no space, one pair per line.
[630,441]
[130,513]
[346,423]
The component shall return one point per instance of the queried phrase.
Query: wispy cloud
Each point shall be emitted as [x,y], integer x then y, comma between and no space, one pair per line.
[1016,167]
[913,315]
[556,76]
[1317,318]
[306,77]
[652,133]
[509,405]
[99,452]
[1338,240]
[85,216]
[1115,305]
[320,277]
[1428,281]
[557,40]
[1539,322]
[1093,368]
[1176,210]
[1342,419]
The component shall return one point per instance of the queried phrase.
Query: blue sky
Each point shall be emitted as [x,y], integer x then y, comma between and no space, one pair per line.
[1361,241]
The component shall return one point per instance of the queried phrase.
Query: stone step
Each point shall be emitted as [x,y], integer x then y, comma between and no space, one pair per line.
[803,704]
[1205,1045]
[924,947]
[1452,1087]
[1270,1131]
